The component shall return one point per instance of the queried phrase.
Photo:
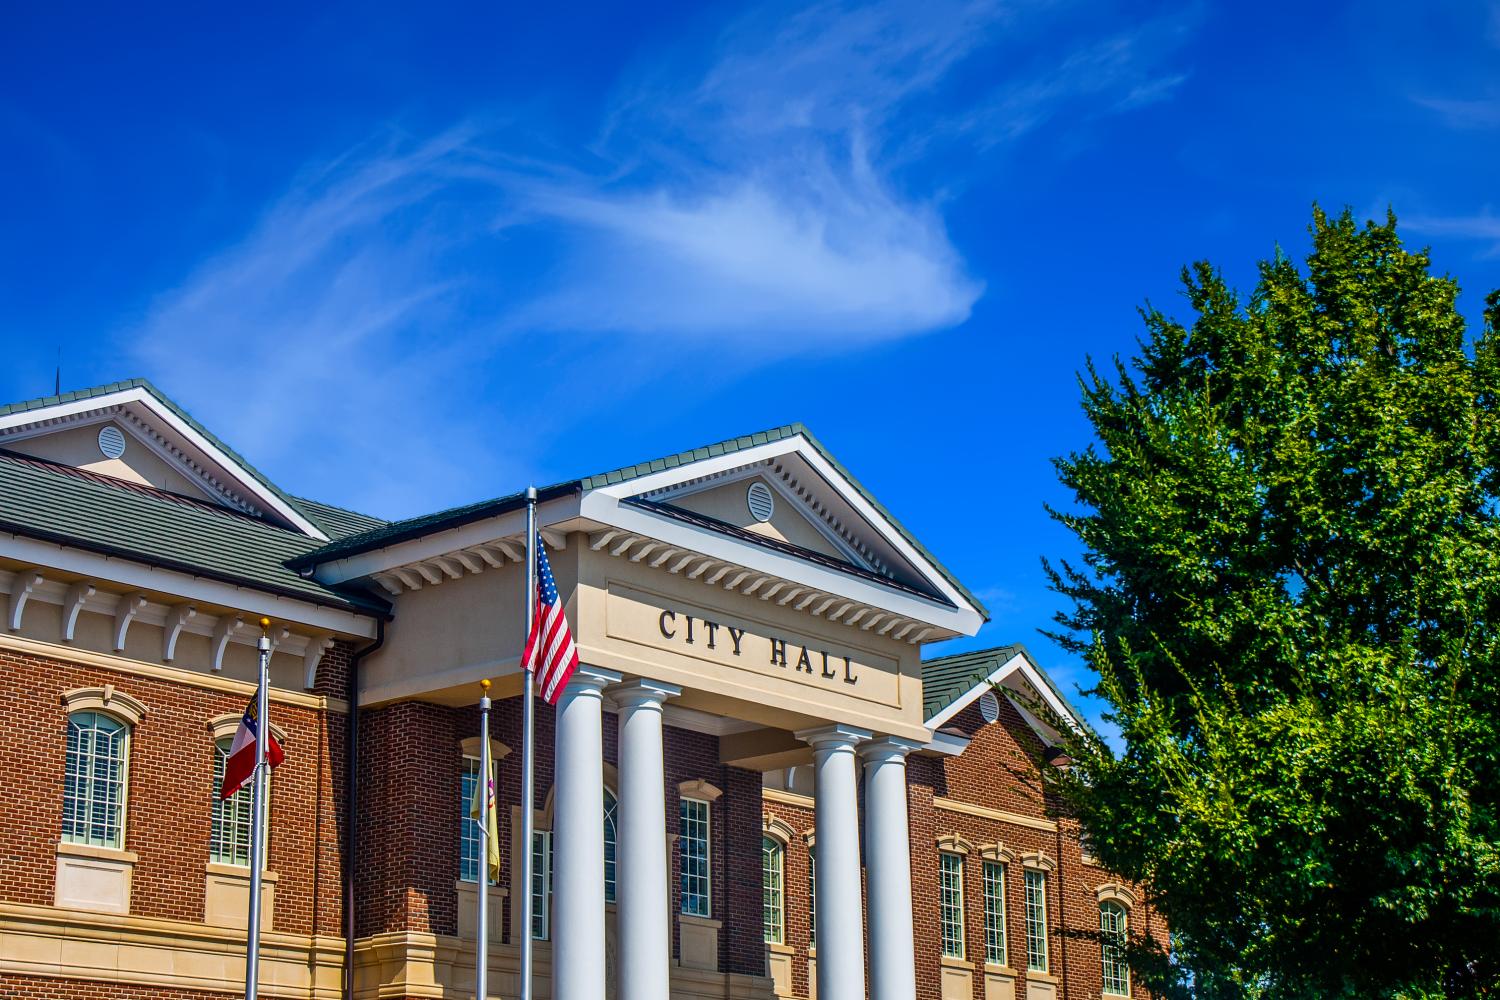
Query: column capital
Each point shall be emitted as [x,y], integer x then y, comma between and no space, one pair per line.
[642,691]
[834,737]
[588,677]
[888,748]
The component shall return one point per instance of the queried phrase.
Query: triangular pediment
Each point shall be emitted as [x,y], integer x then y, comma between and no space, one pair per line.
[817,512]
[132,433]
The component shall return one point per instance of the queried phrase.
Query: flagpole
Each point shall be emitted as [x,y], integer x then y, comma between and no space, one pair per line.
[258,810]
[528,755]
[482,976]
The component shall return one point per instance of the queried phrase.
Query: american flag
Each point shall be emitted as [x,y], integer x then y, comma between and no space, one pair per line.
[550,652]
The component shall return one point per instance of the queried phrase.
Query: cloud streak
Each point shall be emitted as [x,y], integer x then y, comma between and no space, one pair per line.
[784,194]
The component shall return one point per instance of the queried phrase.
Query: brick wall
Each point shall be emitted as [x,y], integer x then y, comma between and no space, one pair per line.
[997,773]
[169,800]
[36,988]
[410,762]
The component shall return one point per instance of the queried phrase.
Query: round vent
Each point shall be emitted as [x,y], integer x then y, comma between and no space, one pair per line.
[762,503]
[111,441]
[989,706]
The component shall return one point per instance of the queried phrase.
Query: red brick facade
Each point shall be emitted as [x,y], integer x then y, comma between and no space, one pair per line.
[995,773]
[410,813]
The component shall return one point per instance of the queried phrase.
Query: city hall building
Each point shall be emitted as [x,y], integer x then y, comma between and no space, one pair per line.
[755,786]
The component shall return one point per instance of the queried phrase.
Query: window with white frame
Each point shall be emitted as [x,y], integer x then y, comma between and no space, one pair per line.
[1036,920]
[951,903]
[692,847]
[812,896]
[773,890]
[541,885]
[98,756]
[469,829]
[994,912]
[1112,948]
[611,835]
[229,839]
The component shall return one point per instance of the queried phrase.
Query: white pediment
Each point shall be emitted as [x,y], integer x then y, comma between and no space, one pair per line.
[826,523]
[133,435]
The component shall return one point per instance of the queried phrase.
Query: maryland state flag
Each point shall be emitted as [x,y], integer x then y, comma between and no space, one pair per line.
[241,763]
[483,809]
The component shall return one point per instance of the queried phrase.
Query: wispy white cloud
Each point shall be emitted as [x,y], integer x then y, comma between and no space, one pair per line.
[1483,226]
[1478,113]
[784,190]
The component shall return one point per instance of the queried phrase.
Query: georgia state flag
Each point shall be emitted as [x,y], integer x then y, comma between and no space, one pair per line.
[241,763]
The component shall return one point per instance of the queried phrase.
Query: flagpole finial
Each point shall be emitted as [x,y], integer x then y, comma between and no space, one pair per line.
[265,623]
[485,684]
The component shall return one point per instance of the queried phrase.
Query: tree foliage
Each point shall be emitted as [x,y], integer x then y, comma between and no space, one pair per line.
[1291,593]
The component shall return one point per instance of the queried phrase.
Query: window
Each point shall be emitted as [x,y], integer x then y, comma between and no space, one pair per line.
[773,888]
[94,786]
[541,885]
[1112,949]
[229,841]
[692,843]
[951,903]
[812,896]
[1036,920]
[994,912]
[469,828]
[611,818]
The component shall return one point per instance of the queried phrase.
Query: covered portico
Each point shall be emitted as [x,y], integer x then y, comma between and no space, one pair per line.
[752,590]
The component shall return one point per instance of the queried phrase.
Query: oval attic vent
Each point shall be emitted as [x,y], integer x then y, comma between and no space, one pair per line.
[762,503]
[111,441]
[989,706]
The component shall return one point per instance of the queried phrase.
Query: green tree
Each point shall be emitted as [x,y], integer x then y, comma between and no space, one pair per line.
[1291,593]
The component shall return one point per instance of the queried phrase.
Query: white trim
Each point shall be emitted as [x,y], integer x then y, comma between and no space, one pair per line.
[143,576]
[1019,663]
[594,504]
[233,470]
[607,510]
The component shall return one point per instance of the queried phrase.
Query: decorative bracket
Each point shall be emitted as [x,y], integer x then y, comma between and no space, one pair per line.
[125,612]
[177,619]
[73,604]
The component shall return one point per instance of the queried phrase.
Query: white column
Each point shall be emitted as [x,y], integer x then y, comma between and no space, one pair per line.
[643,910]
[893,971]
[578,839]
[841,939]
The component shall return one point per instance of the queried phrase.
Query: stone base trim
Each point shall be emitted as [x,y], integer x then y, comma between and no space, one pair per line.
[53,942]
[399,965]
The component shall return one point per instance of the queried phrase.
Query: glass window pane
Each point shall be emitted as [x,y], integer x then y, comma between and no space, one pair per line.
[951,903]
[611,817]
[812,897]
[541,885]
[692,844]
[772,891]
[1036,920]
[1112,949]
[994,913]
[94,780]
[229,841]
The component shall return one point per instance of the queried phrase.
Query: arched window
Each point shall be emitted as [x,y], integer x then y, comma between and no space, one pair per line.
[773,890]
[229,842]
[1112,919]
[611,811]
[95,783]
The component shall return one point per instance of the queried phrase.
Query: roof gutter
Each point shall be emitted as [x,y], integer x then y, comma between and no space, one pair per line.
[351,804]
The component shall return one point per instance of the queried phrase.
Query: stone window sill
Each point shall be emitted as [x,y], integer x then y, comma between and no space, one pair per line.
[696,921]
[1041,977]
[949,962]
[237,871]
[780,949]
[1000,970]
[70,850]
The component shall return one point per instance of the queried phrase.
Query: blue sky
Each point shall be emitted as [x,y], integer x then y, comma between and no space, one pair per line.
[405,256]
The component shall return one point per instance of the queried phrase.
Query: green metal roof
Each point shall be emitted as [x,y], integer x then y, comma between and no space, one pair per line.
[336,522]
[400,531]
[139,383]
[948,679]
[56,503]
